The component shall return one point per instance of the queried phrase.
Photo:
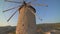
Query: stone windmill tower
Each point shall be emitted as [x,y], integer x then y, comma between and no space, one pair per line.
[26,18]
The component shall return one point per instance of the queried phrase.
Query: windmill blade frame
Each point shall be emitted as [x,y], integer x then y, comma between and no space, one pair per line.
[12,15]
[35,14]
[31,1]
[10,9]
[13,1]
[40,5]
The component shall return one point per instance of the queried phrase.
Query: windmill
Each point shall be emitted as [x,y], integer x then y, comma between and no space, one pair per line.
[26,18]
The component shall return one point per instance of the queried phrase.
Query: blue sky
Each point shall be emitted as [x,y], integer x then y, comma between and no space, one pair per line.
[50,14]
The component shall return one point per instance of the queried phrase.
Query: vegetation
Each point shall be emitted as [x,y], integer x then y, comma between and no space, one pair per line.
[40,28]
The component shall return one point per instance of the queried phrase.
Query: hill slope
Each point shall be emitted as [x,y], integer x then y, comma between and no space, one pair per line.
[40,28]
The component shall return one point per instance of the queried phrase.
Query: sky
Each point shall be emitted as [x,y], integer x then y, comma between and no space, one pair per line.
[50,14]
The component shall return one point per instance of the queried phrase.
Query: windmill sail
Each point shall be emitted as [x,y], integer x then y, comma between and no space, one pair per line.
[12,16]
[36,15]
[13,1]
[40,5]
[10,9]
[32,1]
